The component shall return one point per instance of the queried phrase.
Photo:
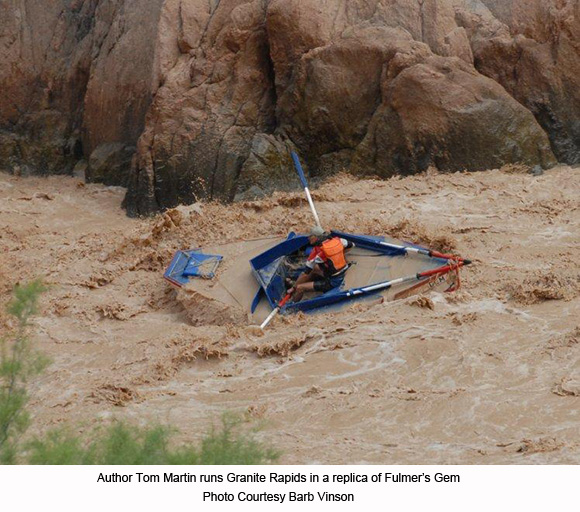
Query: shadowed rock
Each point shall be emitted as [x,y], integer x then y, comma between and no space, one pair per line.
[74,75]
[213,95]
[532,48]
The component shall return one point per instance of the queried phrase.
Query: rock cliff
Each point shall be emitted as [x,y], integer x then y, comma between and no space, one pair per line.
[204,98]
[77,77]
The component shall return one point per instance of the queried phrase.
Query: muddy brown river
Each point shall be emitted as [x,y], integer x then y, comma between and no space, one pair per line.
[487,375]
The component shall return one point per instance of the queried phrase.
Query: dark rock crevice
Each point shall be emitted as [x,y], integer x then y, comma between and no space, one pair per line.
[536,61]
[192,99]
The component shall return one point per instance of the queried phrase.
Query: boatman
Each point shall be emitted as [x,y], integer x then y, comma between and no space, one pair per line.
[325,267]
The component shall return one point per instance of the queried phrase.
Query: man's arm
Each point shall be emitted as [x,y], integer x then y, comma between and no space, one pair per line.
[346,244]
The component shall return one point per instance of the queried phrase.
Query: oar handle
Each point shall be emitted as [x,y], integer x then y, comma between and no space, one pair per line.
[285,300]
[437,254]
[421,275]
[311,203]
[276,310]
[444,269]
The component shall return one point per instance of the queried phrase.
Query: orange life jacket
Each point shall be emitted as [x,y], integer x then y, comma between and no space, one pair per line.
[334,251]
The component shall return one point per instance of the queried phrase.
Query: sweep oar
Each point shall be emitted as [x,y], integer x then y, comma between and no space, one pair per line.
[300,172]
[414,250]
[275,311]
[385,285]
[305,185]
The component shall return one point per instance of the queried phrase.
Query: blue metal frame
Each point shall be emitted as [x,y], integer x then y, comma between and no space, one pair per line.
[185,264]
[266,269]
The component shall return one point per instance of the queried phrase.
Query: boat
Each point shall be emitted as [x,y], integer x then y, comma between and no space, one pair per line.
[247,279]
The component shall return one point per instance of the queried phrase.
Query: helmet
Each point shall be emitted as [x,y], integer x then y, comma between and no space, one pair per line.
[317,231]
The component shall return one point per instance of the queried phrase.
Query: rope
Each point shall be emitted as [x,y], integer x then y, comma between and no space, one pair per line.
[454,262]
[456,267]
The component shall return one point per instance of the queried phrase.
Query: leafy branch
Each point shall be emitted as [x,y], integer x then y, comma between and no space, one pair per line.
[19,361]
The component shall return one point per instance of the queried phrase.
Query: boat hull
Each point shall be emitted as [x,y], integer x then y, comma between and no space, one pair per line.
[251,290]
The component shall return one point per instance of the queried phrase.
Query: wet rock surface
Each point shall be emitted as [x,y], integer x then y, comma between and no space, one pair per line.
[74,74]
[212,95]
[532,48]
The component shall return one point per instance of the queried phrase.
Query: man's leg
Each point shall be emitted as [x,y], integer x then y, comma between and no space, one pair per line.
[314,275]
[301,289]
[307,278]
[303,278]
[306,283]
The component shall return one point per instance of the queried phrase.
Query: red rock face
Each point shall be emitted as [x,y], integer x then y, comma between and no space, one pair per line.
[75,75]
[216,97]
[190,98]
[537,60]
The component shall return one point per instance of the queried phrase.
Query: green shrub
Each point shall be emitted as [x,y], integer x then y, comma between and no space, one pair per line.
[19,361]
[227,446]
[121,444]
[118,444]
